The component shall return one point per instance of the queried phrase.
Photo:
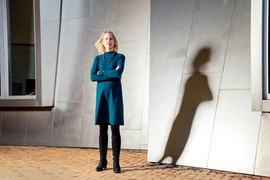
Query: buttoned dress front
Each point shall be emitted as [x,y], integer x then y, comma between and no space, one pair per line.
[109,99]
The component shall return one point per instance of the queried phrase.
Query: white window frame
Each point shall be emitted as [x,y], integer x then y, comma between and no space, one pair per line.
[21,101]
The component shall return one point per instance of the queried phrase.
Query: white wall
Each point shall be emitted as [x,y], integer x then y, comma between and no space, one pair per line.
[203,117]
[71,121]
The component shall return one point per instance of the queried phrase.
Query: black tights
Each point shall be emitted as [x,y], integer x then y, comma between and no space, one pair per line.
[103,130]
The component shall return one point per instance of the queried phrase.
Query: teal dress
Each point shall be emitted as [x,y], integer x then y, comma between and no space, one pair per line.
[109,100]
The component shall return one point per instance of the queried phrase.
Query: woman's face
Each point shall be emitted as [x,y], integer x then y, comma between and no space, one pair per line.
[108,42]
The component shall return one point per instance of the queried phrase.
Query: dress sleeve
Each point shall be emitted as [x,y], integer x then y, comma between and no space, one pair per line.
[93,75]
[115,73]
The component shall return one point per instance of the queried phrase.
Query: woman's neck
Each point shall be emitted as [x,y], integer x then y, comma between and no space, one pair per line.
[109,50]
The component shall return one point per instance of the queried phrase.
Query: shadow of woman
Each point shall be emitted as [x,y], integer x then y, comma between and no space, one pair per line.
[196,91]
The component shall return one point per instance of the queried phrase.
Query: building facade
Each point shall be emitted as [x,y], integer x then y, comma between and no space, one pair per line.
[193,83]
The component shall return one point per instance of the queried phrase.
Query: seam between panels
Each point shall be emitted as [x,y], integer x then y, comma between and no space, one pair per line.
[58,50]
[185,59]
[53,118]
[213,127]
[79,143]
[149,68]
[82,110]
[227,45]
[258,140]
[56,68]
[26,122]
[222,71]
[81,119]
[143,99]
[183,68]
[147,58]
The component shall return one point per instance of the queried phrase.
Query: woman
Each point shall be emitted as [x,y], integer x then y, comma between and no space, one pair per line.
[107,70]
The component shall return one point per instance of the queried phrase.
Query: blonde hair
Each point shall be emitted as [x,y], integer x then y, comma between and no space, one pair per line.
[100,46]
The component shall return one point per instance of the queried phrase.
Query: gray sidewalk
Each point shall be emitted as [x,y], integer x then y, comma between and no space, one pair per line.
[31,163]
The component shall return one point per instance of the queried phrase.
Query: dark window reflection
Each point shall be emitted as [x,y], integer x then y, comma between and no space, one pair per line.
[21,47]
[268,48]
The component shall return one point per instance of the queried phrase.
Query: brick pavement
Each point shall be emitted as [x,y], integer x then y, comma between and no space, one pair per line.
[34,163]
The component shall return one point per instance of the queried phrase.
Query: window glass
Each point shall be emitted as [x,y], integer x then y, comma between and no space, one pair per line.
[268,45]
[21,47]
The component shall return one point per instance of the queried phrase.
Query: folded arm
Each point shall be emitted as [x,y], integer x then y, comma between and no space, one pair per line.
[117,73]
[94,72]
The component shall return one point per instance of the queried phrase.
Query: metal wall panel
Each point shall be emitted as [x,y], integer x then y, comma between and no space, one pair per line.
[165,80]
[75,9]
[126,136]
[13,128]
[237,64]
[103,14]
[67,124]
[210,27]
[263,156]
[235,133]
[133,82]
[170,28]
[73,54]
[196,110]
[134,23]
[49,48]
[50,10]
[144,129]
[39,128]
[89,132]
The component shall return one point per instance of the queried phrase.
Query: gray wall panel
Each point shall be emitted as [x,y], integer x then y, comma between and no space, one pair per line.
[103,14]
[134,23]
[74,51]
[51,6]
[263,156]
[144,130]
[170,28]
[126,136]
[133,81]
[237,65]
[89,102]
[67,124]
[75,9]
[195,116]
[13,128]
[39,128]
[89,132]
[235,133]
[222,27]
[49,47]
[210,27]
[165,80]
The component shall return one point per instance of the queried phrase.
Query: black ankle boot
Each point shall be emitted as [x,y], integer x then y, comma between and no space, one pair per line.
[103,146]
[116,144]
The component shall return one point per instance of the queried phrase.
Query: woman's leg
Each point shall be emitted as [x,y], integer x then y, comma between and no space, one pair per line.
[116,146]
[103,146]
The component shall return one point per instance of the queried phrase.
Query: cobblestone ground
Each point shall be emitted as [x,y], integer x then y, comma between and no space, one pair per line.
[33,163]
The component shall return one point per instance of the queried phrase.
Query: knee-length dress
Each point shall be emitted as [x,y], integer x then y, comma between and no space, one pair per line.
[109,100]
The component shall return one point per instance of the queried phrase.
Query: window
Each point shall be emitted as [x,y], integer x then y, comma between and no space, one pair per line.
[266,62]
[21,61]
